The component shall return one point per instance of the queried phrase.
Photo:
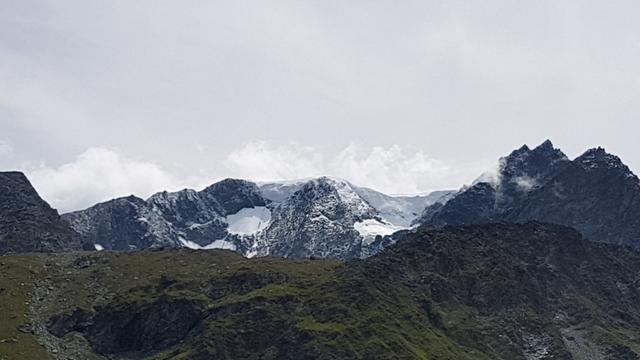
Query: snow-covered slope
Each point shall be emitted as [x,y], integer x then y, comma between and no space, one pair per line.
[401,211]
[249,221]
[323,217]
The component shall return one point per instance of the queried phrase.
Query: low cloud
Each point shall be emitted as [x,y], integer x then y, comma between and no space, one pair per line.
[266,161]
[100,173]
[96,175]
[525,183]
[6,149]
[394,169]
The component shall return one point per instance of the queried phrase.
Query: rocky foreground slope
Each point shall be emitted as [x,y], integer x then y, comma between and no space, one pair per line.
[28,223]
[531,291]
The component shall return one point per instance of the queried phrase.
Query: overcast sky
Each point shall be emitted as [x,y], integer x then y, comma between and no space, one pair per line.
[105,98]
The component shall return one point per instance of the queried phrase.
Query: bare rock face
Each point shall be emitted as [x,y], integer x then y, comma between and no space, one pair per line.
[28,223]
[184,218]
[595,193]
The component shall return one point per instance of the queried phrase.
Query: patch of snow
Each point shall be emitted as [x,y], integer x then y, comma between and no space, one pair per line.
[189,244]
[401,210]
[249,221]
[372,227]
[220,244]
[143,219]
[98,247]
[281,190]
[196,225]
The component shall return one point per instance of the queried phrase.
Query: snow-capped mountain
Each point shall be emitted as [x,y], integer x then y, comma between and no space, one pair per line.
[323,217]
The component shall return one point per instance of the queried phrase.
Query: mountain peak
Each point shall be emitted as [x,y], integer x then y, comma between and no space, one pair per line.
[27,222]
[524,149]
[532,163]
[332,180]
[548,150]
[596,152]
[547,144]
[599,158]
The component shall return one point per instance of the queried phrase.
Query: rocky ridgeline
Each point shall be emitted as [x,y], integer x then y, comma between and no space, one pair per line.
[28,223]
[595,193]
[323,217]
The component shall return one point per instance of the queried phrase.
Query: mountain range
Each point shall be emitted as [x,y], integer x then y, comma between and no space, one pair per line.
[323,217]
[328,217]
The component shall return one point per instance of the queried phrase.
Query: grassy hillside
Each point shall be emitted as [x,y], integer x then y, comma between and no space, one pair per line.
[477,292]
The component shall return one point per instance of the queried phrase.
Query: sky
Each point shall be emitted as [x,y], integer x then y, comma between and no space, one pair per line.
[100,99]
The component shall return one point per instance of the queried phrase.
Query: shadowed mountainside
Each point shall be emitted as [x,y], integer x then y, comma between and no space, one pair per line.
[28,223]
[496,291]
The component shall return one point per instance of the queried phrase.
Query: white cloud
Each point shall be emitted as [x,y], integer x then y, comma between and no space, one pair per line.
[525,183]
[264,161]
[394,169]
[100,174]
[6,150]
[97,175]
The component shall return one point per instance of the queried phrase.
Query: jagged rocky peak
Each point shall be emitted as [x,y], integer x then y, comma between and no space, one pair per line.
[233,195]
[599,158]
[179,207]
[525,162]
[334,189]
[172,198]
[595,193]
[125,223]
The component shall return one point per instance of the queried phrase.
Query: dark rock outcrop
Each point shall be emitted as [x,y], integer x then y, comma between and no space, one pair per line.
[131,327]
[28,223]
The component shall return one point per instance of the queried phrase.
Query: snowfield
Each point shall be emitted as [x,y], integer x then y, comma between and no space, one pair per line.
[372,228]
[249,221]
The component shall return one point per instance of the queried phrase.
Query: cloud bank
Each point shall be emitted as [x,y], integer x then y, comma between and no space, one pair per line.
[100,173]
[394,169]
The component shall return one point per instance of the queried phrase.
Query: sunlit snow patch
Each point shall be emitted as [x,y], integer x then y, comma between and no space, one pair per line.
[372,227]
[189,244]
[249,221]
[220,244]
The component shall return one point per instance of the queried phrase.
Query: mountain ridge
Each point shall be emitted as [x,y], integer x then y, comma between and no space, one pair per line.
[344,218]
[595,193]
[27,222]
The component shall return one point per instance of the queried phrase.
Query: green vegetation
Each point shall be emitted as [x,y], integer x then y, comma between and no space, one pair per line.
[17,275]
[492,292]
